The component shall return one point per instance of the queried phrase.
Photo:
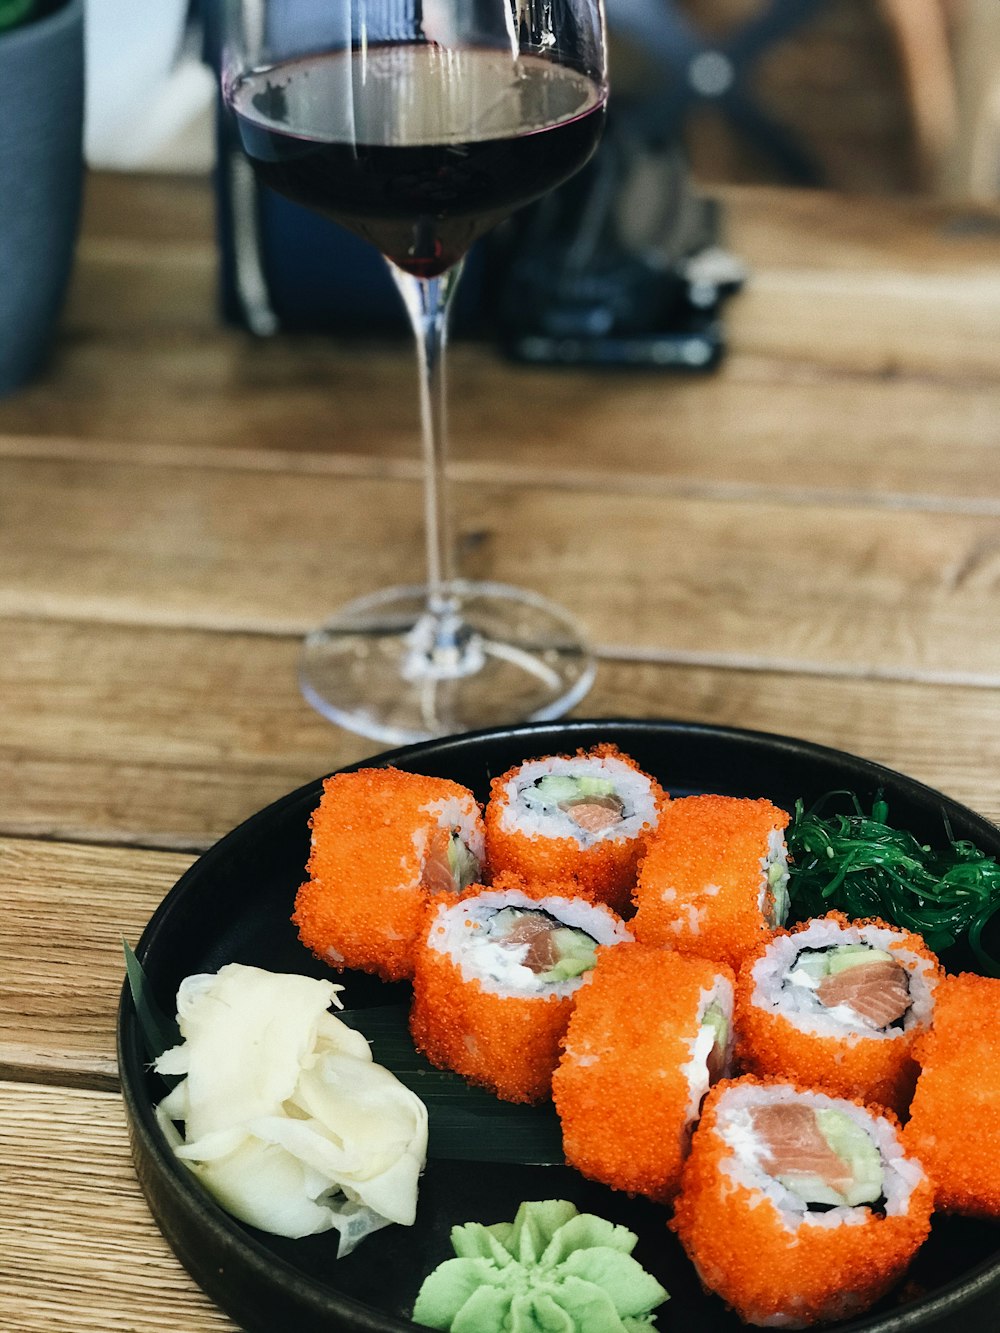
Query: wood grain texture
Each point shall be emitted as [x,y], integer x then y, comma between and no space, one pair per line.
[78,1246]
[862,360]
[66,911]
[765,583]
[169,738]
[760,427]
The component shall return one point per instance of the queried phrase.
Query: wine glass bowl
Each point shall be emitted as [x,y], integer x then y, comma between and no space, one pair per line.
[440,154]
[420,125]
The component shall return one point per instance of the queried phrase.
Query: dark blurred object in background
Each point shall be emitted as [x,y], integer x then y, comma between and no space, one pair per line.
[41,166]
[621,267]
[625,265]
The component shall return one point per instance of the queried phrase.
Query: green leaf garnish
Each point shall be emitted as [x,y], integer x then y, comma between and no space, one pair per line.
[859,864]
[464,1123]
[159,1032]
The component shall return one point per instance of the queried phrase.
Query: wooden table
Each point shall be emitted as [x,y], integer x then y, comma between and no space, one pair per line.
[807,542]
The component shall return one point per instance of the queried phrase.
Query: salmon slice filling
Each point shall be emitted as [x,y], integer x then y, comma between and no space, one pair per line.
[877,991]
[449,864]
[823,1156]
[594,814]
[867,981]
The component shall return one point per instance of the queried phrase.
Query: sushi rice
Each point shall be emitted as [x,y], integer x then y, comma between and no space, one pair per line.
[534,807]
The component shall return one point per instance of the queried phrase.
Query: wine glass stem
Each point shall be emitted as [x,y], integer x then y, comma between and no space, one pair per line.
[428,302]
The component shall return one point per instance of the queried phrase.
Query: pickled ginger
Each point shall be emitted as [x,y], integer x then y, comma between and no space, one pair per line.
[287,1121]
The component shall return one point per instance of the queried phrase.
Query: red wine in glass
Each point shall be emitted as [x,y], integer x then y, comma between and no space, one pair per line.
[425,177]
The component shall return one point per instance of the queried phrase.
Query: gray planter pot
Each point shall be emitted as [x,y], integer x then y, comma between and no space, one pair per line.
[41,168]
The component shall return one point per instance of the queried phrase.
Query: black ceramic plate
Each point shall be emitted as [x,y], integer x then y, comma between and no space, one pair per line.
[234,904]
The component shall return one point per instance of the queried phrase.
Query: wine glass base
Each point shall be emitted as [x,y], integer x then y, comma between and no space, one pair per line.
[385,667]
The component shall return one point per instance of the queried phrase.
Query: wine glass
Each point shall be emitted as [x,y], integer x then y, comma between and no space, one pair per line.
[420,125]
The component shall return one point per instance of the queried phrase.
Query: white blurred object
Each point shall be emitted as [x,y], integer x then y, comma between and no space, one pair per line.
[149,102]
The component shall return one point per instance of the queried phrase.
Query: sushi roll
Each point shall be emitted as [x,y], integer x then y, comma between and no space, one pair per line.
[715,879]
[495,980]
[954,1125]
[383,842]
[796,1207]
[838,1004]
[647,1037]
[585,817]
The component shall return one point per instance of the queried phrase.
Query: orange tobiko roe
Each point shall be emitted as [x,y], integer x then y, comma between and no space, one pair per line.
[772,1275]
[954,1125]
[620,1090]
[878,1070]
[378,845]
[507,1043]
[701,883]
[604,871]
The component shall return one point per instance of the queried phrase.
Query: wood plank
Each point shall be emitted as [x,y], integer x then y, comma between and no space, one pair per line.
[765,584]
[883,323]
[761,424]
[78,1247]
[155,208]
[122,286]
[119,733]
[67,909]
[906,286]
[829,231]
[770,225]
[874,322]
[166,738]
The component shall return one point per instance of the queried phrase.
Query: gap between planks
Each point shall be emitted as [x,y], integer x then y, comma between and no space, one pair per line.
[468,472]
[94,612]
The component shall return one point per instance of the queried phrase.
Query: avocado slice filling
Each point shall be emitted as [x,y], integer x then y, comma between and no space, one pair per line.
[854,1147]
[777,883]
[716,1022]
[462,863]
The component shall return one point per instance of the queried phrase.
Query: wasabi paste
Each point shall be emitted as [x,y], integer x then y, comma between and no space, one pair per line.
[551,1270]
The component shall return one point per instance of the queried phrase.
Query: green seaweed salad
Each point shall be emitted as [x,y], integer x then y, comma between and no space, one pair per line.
[862,866]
